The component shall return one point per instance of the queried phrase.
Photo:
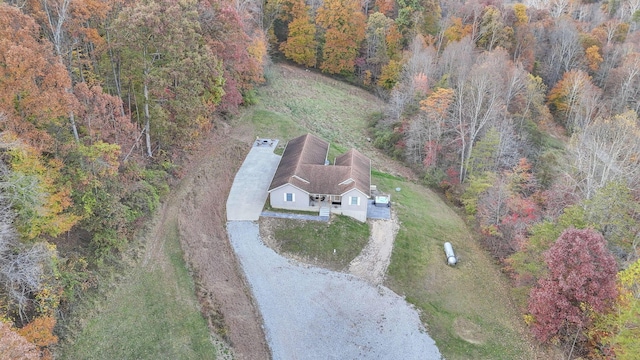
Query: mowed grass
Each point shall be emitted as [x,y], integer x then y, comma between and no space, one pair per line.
[333,244]
[467,309]
[295,102]
[151,315]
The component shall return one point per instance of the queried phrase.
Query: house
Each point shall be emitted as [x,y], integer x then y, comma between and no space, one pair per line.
[305,179]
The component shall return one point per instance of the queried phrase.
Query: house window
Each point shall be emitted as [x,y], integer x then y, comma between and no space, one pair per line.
[355,200]
[289,197]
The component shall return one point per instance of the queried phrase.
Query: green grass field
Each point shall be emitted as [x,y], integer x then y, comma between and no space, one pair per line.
[318,240]
[153,314]
[466,308]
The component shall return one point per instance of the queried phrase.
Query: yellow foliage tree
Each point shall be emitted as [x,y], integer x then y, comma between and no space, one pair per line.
[619,330]
[390,75]
[594,59]
[35,187]
[344,26]
[457,30]
[301,43]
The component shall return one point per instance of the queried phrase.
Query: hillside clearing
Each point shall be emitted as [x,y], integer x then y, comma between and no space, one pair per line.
[467,309]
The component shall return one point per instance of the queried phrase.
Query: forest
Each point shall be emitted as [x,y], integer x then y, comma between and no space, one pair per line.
[523,115]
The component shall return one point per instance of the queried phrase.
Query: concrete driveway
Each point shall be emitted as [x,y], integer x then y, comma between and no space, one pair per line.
[249,190]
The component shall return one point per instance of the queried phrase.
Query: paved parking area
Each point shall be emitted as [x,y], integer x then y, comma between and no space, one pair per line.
[249,190]
[378,212]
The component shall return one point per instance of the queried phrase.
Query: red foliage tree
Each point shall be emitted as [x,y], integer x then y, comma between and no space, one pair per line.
[224,32]
[100,119]
[581,281]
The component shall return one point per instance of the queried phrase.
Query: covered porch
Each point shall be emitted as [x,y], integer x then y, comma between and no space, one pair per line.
[325,200]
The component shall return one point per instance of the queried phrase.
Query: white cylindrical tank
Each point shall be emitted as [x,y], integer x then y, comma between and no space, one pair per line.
[451,256]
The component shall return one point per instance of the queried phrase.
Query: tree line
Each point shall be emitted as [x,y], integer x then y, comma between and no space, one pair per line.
[99,99]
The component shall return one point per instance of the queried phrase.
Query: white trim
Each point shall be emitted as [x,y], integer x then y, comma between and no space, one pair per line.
[301,179]
[293,197]
[349,180]
[356,189]
[289,184]
[357,200]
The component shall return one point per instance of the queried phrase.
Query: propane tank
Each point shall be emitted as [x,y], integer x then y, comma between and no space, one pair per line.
[451,256]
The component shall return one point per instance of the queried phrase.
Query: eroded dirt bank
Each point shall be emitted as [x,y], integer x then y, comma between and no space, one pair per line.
[199,205]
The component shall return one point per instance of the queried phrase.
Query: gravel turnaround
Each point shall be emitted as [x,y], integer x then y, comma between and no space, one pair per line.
[313,313]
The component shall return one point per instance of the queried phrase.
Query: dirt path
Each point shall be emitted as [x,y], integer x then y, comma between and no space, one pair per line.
[371,265]
[198,205]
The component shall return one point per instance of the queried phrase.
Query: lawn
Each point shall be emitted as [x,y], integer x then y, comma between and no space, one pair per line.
[153,314]
[332,244]
[467,308]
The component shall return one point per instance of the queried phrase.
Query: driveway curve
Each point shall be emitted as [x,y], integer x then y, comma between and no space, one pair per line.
[314,313]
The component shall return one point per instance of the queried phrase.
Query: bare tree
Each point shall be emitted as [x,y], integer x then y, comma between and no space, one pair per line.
[564,51]
[607,151]
[479,101]
[623,85]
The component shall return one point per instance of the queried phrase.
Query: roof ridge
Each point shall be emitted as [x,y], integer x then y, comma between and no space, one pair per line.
[301,153]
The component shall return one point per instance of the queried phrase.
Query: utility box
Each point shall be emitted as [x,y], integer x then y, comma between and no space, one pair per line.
[382,201]
[451,256]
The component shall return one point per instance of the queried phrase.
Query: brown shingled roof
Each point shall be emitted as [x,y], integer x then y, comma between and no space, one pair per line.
[303,165]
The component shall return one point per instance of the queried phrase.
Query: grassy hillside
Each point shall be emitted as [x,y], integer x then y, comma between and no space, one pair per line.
[153,314]
[467,309]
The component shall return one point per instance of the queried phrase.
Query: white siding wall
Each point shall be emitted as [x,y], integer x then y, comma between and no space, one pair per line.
[300,198]
[357,210]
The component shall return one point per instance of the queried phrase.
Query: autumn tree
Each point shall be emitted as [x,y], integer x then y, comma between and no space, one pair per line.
[166,63]
[493,32]
[524,42]
[301,45]
[37,192]
[561,52]
[33,92]
[623,84]
[424,137]
[344,30]
[575,100]
[606,151]
[478,103]
[614,212]
[580,282]
[241,51]
[100,119]
[14,346]
[620,327]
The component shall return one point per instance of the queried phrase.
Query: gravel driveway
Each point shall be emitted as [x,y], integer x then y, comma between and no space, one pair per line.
[312,313]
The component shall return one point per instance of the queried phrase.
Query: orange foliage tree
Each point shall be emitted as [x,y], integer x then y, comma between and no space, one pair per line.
[344,26]
[301,43]
[15,346]
[33,88]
